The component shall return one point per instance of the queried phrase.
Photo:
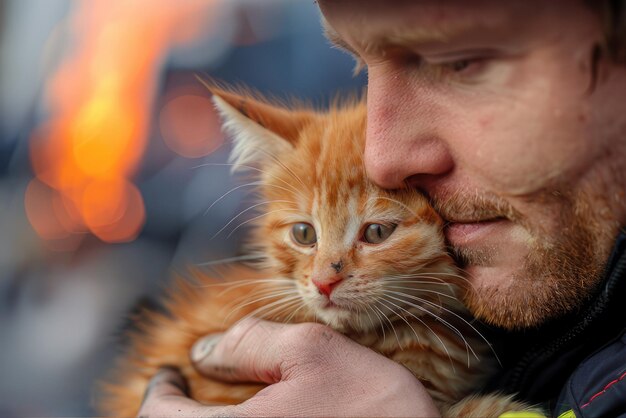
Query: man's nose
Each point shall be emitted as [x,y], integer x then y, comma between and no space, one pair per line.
[405,124]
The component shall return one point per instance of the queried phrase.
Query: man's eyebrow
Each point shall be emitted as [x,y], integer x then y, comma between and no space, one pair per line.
[338,42]
[420,36]
[400,37]
[335,39]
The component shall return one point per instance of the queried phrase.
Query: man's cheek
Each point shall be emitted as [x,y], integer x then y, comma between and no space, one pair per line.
[521,165]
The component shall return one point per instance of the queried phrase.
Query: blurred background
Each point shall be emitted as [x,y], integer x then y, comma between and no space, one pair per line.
[110,156]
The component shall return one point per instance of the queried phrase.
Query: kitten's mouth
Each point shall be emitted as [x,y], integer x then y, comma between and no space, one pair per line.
[329,304]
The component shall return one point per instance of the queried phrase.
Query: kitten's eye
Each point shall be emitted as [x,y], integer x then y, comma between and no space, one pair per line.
[377,233]
[303,234]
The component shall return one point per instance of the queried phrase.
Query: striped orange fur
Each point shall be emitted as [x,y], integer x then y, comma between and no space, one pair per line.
[400,296]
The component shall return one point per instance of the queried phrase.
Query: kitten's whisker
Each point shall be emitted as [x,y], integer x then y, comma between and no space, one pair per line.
[195,167]
[247,210]
[434,273]
[302,305]
[254,183]
[452,275]
[428,292]
[230,260]
[388,321]
[239,283]
[263,291]
[270,305]
[293,174]
[418,289]
[274,314]
[258,217]
[290,190]
[443,345]
[432,331]
[257,290]
[417,338]
[380,322]
[431,275]
[418,276]
[408,209]
[445,273]
[260,299]
[273,306]
[465,321]
[421,276]
[424,309]
[258,293]
[359,317]
[366,310]
[263,311]
[382,302]
[468,347]
[267,173]
[440,282]
[434,276]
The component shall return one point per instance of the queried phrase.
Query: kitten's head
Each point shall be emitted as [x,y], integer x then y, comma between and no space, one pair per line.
[355,252]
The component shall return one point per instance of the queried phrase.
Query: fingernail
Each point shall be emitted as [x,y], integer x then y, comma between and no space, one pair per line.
[204,346]
[173,375]
[166,373]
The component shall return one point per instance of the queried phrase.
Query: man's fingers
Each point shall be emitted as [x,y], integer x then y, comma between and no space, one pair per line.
[166,396]
[243,354]
[257,351]
[167,381]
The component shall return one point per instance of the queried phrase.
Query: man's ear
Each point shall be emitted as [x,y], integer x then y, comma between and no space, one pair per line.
[260,131]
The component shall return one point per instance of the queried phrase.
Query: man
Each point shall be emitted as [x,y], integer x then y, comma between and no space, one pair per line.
[510,116]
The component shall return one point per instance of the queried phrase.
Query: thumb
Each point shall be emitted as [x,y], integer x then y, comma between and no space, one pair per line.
[254,351]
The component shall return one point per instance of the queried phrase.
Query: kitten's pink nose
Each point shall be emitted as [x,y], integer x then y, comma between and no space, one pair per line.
[325,286]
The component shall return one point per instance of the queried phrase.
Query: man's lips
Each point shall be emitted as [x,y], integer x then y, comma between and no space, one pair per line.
[462,233]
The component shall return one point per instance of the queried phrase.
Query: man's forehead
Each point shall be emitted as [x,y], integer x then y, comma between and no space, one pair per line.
[421,21]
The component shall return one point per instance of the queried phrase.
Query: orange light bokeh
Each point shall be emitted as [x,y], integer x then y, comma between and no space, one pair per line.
[85,155]
[190,126]
[113,210]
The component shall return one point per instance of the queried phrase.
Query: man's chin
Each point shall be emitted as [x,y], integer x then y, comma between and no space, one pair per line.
[505,298]
[550,282]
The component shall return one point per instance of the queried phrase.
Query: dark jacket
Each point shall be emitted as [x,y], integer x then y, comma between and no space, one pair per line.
[574,365]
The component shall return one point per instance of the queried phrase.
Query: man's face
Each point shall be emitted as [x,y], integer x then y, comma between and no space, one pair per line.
[510,119]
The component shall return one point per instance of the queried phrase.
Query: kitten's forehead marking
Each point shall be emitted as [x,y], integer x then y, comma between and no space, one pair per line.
[315,208]
[354,221]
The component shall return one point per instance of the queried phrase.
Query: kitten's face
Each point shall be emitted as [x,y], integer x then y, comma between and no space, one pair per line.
[357,254]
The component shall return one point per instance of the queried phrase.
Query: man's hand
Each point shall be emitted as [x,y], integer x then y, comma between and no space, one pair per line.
[311,370]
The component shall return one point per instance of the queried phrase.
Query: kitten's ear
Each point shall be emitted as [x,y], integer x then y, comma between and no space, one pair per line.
[260,131]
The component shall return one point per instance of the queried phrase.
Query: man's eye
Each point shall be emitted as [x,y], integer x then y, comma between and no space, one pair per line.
[466,66]
[458,66]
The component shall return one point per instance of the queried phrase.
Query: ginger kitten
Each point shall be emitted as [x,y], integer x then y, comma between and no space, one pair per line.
[337,249]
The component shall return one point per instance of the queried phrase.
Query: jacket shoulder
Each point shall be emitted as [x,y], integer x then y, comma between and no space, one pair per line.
[597,388]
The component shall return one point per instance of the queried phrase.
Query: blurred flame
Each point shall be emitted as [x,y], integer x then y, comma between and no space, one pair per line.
[48,216]
[99,98]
